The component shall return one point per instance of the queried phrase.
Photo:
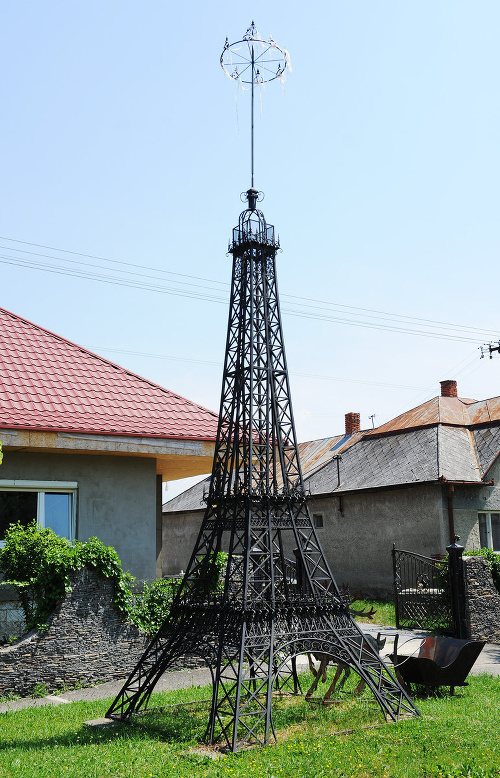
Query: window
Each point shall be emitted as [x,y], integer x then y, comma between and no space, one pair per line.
[318,520]
[51,503]
[489,530]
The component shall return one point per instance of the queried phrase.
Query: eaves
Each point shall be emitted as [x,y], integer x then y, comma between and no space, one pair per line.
[392,487]
[183,512]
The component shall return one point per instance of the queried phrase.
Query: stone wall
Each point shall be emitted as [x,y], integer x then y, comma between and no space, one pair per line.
[482,601]
[87,641]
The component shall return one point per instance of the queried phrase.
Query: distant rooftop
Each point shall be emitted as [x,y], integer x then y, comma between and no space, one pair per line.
[448,409]
[447,438]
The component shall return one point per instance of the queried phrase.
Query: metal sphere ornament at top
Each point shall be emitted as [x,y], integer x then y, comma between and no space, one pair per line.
[253,60]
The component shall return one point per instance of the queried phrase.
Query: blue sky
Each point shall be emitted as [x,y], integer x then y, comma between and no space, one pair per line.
[122,139]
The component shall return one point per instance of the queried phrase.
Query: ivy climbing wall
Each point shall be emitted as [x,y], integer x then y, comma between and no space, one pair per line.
[87,641]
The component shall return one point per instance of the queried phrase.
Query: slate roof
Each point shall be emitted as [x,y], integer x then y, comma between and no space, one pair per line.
[446,438]
[190,500]
[411,457]
[48,383]
[487,443]
[313,455]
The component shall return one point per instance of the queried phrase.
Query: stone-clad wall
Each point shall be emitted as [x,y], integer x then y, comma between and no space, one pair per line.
[482,601]
[87,641]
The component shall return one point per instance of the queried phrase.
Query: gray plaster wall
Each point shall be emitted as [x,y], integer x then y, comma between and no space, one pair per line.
[116,499]
[180,531]
[469,501]
[358,542]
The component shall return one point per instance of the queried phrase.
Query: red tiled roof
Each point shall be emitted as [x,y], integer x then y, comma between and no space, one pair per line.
[48,383]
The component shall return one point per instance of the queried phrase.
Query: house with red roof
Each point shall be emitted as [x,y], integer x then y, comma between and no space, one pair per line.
[419,481]
[87,444]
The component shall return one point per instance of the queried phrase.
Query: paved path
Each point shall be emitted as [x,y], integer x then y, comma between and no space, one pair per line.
[488,662]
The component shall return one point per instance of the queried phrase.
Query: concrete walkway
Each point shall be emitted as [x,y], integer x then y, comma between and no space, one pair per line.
[488,662]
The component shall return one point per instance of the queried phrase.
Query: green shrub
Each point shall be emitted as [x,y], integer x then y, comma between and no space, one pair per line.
[152,605]
[216,571]
[39,563]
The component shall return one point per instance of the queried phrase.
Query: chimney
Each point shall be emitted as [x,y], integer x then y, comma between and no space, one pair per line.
[449,389]
[352,423]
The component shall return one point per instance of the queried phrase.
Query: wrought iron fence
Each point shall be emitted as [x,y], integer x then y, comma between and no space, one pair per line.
[422,592]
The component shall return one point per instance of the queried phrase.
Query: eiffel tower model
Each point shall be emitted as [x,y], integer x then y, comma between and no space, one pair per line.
[250,623]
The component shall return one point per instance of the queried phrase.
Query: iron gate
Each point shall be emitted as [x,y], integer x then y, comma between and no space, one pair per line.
[422,592]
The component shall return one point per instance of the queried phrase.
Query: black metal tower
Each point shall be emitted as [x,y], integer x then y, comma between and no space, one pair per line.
[268,609]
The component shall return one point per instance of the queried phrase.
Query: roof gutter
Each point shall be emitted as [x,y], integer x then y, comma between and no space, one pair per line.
[482,482]
[434,482]
[451,519]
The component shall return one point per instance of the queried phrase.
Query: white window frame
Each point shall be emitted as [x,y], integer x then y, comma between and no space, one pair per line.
[41,488]
[489,532]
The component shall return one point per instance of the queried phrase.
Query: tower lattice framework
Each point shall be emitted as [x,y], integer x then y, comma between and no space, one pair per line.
[250,625]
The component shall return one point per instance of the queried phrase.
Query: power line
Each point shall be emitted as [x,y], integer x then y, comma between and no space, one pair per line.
[109,280]
[147,286]
[307,307]
[466,366]
[225,285]
[386,314]
[106,259]
[97,349]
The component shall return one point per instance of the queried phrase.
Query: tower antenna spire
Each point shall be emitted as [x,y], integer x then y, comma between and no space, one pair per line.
[254,61]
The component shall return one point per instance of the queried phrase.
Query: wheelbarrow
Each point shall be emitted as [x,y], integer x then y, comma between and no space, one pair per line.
[437,661]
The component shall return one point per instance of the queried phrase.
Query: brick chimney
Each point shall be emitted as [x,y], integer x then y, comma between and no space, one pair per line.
[449,389]
[352,423]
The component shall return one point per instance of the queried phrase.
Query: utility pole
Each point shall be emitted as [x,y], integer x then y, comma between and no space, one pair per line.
[489,348]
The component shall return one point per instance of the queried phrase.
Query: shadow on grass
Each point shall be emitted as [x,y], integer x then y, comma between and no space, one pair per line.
[292,715]
[186,723]
[176,723]
[85,736]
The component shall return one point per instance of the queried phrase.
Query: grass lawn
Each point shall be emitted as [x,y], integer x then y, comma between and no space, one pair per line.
[456,736]
[385,612]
